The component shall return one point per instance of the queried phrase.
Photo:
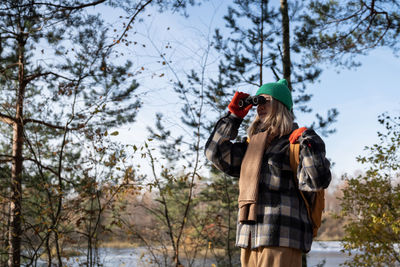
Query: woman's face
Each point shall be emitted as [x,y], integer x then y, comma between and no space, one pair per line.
[264,109]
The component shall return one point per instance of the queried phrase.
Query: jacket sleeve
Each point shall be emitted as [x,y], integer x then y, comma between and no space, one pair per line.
[314,169]
[225,155]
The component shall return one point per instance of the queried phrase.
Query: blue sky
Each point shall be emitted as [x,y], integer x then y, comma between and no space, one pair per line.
[360,95]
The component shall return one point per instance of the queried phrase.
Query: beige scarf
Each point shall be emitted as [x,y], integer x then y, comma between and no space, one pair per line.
[250,177]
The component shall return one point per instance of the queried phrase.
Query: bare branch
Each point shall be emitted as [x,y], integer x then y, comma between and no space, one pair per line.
[53,171]
[62,7]
[42,166]
[276,74]
[9,67]
[166,211]
[7,119]
[34,76]
[130,22]
[5,158]
[359,12]
[59,127]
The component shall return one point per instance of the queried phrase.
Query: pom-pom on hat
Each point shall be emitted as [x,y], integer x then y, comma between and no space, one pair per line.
[279,91]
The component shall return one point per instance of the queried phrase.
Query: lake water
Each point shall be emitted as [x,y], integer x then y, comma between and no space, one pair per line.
[328,252]
[131,257]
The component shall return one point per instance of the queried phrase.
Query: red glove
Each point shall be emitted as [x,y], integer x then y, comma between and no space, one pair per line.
[296,134]
[234,105]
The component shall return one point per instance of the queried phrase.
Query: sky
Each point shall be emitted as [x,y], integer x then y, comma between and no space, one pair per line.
[360,95]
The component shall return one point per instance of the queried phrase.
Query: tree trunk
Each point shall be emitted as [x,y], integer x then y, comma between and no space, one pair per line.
[286,43]
[4,258]
[287,63]
[48,250]
[15,231]
[16,197]
[261,43]
[229,223]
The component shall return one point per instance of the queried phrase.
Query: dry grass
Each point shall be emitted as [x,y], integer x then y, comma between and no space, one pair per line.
[332,229]
[65,253]
[118,244]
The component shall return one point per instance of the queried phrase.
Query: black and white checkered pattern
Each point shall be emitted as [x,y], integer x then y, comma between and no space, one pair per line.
[281,215]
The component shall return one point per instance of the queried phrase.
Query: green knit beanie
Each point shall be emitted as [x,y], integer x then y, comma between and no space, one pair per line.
[279,91]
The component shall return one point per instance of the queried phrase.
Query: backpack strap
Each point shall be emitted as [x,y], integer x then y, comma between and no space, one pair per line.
[294,164]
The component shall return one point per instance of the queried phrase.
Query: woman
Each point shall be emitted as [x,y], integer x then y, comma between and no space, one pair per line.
[273,226]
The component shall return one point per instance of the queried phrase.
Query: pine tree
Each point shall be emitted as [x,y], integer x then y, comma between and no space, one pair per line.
[56,79]
[338,31]
[258,48]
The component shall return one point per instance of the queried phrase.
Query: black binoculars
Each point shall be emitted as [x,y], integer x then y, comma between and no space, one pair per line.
[252,100]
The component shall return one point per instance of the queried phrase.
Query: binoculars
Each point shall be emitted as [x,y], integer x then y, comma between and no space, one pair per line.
[252,100]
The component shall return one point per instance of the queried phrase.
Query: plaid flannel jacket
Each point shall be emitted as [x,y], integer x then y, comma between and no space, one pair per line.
[282,218]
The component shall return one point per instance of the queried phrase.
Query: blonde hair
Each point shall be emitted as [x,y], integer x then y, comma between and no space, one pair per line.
[278,122]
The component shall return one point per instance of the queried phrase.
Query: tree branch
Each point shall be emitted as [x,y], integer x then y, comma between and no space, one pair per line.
[7,119]
[34,76]
[5,158]
[51,125]
[42,166]
[60,6]
[9,67]
[355,14]
[130,22]
[276,74]
[53,171]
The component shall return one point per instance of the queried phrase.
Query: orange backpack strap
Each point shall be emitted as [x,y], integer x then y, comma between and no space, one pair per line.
[294,157]
[294,164]
[318,208]
[318,202]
